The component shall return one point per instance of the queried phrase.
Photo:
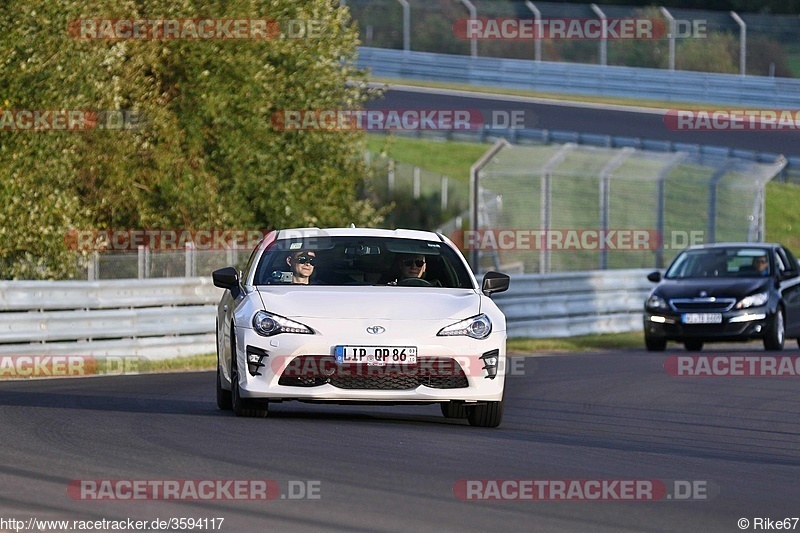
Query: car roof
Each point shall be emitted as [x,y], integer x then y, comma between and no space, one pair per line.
[763,245]
[359,232]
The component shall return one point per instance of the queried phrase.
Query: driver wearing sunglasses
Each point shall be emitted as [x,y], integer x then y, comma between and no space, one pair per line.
[407,266]
[302,265]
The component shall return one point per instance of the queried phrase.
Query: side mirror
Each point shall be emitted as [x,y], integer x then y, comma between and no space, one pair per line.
[495,282]
[227,278]
[655,277]
[788,274]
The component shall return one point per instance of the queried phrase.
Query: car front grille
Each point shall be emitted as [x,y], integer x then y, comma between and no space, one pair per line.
[690,305]
[316,370]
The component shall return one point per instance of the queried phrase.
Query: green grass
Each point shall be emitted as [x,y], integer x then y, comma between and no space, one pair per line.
[576,344]
[100,366]
[452,159]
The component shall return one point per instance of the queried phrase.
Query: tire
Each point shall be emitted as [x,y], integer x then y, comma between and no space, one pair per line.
[776,332]
[224,398]
[655,344]
[454,410]
[693,346]
[244,406]
[486,415]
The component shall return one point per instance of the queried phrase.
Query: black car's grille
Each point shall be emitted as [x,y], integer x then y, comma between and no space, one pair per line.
[702,304]
[316,370]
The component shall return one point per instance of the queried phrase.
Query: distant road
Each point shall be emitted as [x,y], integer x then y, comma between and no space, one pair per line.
[589,118]
[609,416]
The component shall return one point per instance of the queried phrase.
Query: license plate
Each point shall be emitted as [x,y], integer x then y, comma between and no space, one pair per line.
[702,318]
[376,355]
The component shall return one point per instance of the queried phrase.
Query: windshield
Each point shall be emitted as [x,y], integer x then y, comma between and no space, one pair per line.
[721,263]
[362,261]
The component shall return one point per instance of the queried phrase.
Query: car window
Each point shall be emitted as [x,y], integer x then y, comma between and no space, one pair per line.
[717,263]
[780,261]
[791,260]
[342,261]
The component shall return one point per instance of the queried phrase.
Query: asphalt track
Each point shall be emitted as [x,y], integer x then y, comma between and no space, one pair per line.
[599,119]
[609,415]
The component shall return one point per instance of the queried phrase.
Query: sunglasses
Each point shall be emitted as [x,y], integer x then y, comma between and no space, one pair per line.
[303,259]
[410,262]
[762,260]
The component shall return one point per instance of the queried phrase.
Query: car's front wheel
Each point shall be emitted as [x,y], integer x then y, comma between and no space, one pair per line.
[454,410]
[776,332]
[224,399]
[655,344]
[693,346]
[485,415]
[244,406]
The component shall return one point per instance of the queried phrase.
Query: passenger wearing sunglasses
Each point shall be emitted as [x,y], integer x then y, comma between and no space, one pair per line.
[302,265]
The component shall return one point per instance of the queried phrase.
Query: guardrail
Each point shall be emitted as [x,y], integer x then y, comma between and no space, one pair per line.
[170,317]
[575,303]
[154,318]
[577,78]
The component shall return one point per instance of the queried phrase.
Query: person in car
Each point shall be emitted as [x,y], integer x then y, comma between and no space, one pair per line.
[409,266]
[302,265]
[761,265]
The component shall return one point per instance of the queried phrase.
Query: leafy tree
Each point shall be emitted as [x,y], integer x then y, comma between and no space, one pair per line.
[205,153]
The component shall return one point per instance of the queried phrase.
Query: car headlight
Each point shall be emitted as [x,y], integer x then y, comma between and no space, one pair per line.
[656,303]
[268,324]
[754,300]
[477,327]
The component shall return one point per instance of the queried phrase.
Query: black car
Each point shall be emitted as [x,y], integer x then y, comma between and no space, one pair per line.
[725,292]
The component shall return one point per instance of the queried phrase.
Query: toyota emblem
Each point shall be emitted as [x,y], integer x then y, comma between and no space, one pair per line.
[375,330]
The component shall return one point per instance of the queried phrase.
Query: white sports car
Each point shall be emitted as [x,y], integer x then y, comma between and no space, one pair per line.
[360,315]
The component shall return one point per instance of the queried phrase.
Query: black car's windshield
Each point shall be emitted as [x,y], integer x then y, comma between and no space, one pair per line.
[734,262]
[362,261]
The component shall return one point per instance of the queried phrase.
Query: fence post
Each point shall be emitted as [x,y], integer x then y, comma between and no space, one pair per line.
[416,183]
[191,260]
[390,178]
[444,193]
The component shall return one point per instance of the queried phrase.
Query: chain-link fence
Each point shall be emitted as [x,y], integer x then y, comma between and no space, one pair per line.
[145,263]
[567,207]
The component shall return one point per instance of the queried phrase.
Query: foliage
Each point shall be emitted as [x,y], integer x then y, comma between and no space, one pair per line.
[205,155]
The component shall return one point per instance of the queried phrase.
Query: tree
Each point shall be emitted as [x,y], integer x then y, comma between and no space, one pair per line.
[205,153]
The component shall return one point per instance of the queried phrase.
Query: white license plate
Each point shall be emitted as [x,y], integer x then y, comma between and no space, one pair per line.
[376,355]
[702,318]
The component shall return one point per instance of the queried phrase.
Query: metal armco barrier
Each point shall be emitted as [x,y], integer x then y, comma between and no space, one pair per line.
[155,318]
[576,78]
[171,317]
[575,303]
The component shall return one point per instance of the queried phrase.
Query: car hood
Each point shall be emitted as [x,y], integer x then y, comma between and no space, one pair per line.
[718,288]
[390,303]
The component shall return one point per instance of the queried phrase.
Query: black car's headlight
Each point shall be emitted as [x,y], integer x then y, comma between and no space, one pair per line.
[268,324]
[656,303]
[754,300]
[477,327]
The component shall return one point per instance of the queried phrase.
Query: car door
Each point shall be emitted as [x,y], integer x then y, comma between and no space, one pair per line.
[789,284]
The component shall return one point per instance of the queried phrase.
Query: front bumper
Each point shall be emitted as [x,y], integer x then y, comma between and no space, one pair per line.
[286,353]
[736,325]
